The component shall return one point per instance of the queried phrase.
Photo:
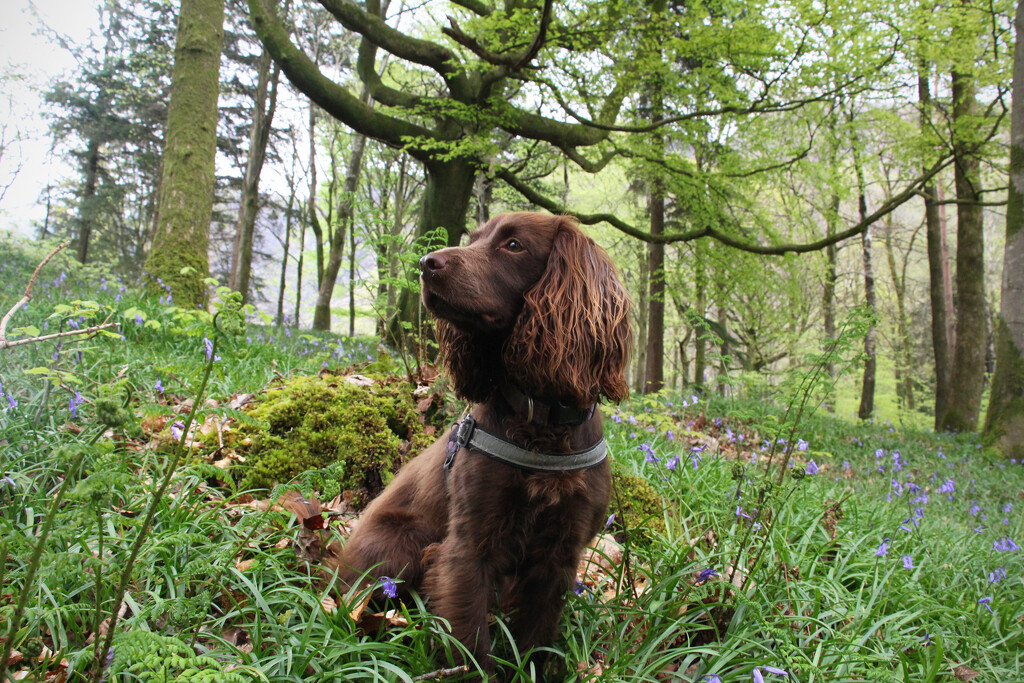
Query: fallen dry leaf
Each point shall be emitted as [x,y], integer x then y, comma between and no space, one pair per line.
[965,673]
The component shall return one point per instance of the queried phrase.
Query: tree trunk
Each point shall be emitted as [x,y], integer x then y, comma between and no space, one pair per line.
[279,320]
[968,374]
[298,271]
[828,299]
[343,220]
[314,217]
[867,389]
[654,370]
[642,313]
[904,357]
[87,210]
[701,330]
[264,104]
[179,255]
[352,280]
[345,212]
[938,272]
[1004,423]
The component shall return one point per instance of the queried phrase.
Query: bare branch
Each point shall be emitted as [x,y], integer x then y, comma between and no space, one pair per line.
[28,289]
[5,344]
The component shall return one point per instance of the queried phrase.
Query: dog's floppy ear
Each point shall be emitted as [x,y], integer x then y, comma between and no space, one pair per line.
[572,339]
[469,359]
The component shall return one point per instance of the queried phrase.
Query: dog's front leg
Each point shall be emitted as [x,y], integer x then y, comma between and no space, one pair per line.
[458,585]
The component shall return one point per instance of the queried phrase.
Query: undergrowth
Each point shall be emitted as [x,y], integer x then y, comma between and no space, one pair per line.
[789,541]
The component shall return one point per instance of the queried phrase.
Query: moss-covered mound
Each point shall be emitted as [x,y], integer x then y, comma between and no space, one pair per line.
[329,433]
[639,509]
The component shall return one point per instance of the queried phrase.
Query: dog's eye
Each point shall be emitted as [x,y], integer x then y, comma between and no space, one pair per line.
[514,246]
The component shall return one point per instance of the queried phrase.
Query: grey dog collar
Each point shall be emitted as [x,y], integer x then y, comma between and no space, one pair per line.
[468,433]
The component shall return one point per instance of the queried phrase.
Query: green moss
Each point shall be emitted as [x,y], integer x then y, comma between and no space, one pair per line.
[324,434]
[639,509]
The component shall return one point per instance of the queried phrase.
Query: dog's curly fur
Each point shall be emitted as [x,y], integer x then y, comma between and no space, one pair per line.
[533,303]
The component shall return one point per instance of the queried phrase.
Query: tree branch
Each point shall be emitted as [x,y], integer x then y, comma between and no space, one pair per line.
[28,290]
[373,28]
[714,233]
[333,98]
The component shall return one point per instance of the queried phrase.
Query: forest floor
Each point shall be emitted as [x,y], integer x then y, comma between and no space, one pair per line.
[818,549]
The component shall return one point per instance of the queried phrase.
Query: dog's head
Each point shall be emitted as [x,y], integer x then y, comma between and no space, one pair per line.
[533,294]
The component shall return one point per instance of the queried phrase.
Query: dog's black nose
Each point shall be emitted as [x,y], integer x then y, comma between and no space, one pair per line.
[433,261]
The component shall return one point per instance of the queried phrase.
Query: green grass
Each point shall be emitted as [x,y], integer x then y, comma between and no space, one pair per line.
[218,593]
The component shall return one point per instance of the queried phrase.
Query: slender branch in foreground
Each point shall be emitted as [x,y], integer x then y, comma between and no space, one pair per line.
[5,343]
[28,289]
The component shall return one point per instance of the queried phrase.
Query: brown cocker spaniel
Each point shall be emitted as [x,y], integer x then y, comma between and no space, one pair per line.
[533,325]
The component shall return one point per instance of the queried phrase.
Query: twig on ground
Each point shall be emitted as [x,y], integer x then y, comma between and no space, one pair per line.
[443,673]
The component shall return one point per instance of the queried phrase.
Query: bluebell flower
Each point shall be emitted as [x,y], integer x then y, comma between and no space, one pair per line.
[775,670]
[159,386]
[176,430]
[390,588]
[711,678]
[812,467]
[985,601]
[801,445]
[649,455]
[706,574]
[908,562]
[883,549]
[610,520]
[997,575]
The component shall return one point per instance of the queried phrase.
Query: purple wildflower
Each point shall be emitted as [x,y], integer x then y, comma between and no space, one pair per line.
[610,520]
[390,588]
[812,467]
[908,562]
[883,549]
[985,601]
[801,445]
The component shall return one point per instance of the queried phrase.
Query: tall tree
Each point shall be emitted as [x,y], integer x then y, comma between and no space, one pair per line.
[264,106]
[968,375]
[939,285]
[867,388]
[111,117]
[1004,422]
[179,254]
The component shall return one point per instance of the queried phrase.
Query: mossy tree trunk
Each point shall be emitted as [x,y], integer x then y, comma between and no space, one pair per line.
[179,253]
[1004,423]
